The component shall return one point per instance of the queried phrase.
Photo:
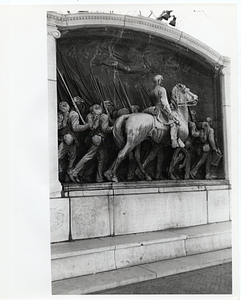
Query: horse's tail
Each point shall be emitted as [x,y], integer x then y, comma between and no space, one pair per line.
[118,131]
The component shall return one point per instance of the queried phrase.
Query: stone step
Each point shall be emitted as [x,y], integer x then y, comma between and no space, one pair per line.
[98,282]
[79,258]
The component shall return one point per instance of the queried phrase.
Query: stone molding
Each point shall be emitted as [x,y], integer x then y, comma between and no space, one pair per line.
[140,23]
[150,187]
[55,33]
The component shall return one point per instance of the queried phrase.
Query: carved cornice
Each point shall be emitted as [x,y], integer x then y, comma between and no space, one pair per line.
[149,26]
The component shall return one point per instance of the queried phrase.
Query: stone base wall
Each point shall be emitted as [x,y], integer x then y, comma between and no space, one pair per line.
[119,209]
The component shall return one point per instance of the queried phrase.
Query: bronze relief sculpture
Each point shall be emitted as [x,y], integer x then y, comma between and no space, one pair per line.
[131,129]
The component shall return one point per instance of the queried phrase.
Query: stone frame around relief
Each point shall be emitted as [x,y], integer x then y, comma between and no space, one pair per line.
[58,22]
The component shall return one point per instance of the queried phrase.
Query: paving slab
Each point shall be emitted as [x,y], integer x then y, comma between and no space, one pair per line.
[213,280]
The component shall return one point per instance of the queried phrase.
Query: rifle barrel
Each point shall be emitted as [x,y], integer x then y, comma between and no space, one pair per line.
[72,99]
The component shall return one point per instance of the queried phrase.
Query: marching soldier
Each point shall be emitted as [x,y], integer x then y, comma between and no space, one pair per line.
[99,127]
[68,125]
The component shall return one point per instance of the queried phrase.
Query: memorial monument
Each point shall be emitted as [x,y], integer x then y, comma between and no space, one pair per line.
[139,130]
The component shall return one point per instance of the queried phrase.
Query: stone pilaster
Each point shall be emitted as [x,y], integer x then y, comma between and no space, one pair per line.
[55,186]
[226,110]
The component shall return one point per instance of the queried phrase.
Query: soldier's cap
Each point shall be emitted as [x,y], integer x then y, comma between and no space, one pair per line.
[157,78]
[208,119]
[123,111]
[96,109]
[108,102]
[135,108]
[63,104]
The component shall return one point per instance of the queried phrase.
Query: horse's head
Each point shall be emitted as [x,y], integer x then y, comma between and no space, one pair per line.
[183,96]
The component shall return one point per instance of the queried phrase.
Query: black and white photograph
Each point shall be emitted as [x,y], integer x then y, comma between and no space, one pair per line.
[122,150]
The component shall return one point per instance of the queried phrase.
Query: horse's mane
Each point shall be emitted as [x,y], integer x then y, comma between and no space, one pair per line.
[173,97]
[176,88]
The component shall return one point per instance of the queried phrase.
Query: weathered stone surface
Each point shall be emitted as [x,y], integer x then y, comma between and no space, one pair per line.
[206,229]
[91,193]
[101,281]
[135,191]
[89,256]
[152,212]
[218,206]
[142,239]
[148,253]
[81,247]
[208,243]
[206,238]
[82,264]
[172,189]
[59,219]
[89,217]
[193,262]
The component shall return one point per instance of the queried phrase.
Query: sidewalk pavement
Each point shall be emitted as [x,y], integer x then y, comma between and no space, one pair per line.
[212,280]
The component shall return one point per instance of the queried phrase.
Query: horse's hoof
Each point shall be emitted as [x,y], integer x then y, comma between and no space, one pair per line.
[192,175]
[74,178]
[171,176]
[159,177]
[114,179]
[139,174]
[108,175]
[208,176]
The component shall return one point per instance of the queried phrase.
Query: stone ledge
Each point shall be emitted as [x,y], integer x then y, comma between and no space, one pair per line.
[142,187]
[135,191]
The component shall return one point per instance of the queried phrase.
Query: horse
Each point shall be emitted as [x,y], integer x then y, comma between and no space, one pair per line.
[142,126]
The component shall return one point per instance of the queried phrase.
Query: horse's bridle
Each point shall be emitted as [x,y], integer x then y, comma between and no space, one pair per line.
[186,90]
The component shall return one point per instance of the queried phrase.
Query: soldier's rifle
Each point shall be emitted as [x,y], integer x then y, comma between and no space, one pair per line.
[99,91]
[72,99]
[127,98]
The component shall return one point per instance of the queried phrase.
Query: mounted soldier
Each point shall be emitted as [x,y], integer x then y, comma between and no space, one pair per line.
[130,130]
[158,96]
